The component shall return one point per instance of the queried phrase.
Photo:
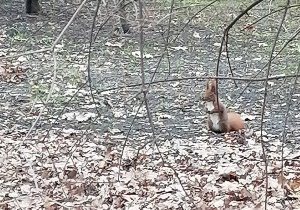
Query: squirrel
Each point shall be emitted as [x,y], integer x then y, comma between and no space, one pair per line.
[219,121]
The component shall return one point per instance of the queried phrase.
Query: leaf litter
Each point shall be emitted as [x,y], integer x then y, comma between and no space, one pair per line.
[206,175]
[69,168]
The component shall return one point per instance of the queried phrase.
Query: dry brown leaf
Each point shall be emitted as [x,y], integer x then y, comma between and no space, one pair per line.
[72,174]
[142,158]
[282,179]
[245,195]
[46,174]
[258,206]
[294,184]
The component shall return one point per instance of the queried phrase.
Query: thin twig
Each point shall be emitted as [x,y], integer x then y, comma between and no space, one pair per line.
[51,126]
[89,56]
[145,91]
[26,53]
[225,34]
[127,138]
[143,84]
[68,24]
[276,77]
[263,17]
[185,25]
[77,142]
[110,16]
[47,99]
[54,69]
[265,101]
[285,121]
[168,34]
[275,56]
[19,198]
[228,59]
[134,118]
[56,40]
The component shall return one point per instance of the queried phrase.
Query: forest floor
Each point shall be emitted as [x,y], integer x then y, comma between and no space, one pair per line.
[95,149]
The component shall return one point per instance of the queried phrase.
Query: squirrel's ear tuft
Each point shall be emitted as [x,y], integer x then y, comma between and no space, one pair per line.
[207,85]
[213,86]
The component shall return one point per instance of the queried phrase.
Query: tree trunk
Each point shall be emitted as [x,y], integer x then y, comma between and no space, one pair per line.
[32,6]
[122,13]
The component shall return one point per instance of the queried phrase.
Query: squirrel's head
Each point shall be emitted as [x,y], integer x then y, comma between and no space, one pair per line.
[210,90]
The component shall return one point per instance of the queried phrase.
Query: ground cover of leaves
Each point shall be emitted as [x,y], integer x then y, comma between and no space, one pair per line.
[72,157]
[205,172]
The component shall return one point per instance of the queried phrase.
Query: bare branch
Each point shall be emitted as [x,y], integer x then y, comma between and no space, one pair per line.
[47,99]
[68,24]
[297,32]
[226,31]
[228,59]
[263,17]
[56,40]
[276,77]
[285,120]
[187,23]
[89,56]
[225,34]
[265,100]
[168,33]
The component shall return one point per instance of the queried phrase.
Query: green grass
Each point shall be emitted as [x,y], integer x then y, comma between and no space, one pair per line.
[17,33]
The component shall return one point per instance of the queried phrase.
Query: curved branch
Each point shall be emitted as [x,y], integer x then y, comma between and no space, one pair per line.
[265,100]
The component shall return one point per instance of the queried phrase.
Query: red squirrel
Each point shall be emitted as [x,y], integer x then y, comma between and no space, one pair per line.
[219,120]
